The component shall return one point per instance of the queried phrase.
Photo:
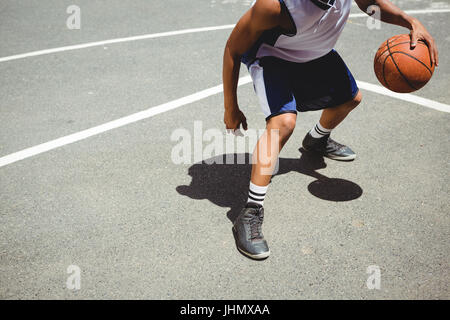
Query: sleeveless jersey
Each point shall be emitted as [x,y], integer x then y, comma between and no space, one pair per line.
[316,34]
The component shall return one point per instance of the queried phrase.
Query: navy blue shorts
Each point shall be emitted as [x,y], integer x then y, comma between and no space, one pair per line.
[287,87]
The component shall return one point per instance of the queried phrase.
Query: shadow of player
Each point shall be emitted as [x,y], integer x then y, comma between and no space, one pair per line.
[226,185]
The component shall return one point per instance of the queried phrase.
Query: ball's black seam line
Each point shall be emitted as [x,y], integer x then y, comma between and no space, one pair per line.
[420,41]
[384,74]
[431,72]
[395,63]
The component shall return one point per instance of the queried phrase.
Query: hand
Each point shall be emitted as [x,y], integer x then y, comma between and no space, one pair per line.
[419,32]
[233,120]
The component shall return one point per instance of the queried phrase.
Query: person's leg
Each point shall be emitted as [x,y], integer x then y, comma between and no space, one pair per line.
[271,81]
[332,117]
[331,87]
[318,139]
[278,130]
[247,228]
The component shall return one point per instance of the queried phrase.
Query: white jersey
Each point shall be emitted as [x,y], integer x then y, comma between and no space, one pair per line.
[317,32]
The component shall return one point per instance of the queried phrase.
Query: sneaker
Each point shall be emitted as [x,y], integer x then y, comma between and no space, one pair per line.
[328,148]
[248,234]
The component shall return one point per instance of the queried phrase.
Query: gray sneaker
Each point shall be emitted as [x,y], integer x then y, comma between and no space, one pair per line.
[328,148]
[248,233]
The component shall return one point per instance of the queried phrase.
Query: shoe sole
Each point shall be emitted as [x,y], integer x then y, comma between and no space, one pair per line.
[338,158]
[260,256]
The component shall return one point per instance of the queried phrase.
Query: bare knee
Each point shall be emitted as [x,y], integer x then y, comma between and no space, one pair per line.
[355,101]
[284,123]
[288,124]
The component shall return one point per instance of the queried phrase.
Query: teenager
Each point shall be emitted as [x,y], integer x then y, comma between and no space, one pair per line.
[287,46]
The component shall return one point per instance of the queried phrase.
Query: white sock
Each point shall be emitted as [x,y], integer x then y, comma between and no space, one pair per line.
[318,131]
[256,194]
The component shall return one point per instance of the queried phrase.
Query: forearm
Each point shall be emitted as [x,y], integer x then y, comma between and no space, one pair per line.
[389,13]
[393,15]
[231,66]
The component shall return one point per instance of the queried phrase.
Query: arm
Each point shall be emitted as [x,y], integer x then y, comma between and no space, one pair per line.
[393,15]
[264,15]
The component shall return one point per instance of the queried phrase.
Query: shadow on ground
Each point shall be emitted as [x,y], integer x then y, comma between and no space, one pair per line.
[226,185]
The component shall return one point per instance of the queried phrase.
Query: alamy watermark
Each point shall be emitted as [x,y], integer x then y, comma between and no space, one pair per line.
[74,280]
[374,280]
[216,146]
[73,22]
[374,19]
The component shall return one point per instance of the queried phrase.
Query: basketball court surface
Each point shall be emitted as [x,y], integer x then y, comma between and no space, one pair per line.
[87,178]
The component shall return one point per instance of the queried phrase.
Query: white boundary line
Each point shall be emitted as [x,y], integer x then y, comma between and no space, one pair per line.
[165,34]
[404,96]
[81,135]
[112,41]
[53,144]
[422,11]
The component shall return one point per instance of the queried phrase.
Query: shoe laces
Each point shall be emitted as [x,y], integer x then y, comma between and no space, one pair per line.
[334,145]
[256,226]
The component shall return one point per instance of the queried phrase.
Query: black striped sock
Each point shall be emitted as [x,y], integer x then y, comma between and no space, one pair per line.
[256,194]
[319,131]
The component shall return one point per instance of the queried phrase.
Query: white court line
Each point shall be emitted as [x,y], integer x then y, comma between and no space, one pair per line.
[405,97]
[112,41]
[47,146]
[50,145]
[165,34]
[422,11]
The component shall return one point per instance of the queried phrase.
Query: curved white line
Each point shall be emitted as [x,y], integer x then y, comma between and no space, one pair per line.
[164,34]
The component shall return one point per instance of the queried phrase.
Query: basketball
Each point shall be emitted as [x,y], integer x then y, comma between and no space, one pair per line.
[401,69]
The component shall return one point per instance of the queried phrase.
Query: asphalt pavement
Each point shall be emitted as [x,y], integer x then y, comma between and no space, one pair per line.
[140,226]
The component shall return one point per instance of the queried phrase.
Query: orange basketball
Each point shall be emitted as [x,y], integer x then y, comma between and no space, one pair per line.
[401,69]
